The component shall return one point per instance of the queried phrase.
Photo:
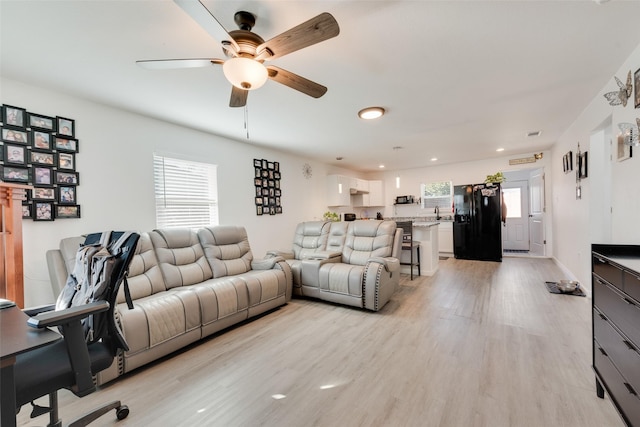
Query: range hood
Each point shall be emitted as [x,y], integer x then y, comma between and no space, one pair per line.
[353,191]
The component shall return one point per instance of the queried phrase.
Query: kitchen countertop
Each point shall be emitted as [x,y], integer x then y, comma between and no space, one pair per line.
[425,224]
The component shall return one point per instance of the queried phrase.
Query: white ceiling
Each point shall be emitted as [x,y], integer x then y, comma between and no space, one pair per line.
[458,78]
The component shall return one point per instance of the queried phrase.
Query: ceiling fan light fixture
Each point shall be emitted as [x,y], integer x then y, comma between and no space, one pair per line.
[371,113]
[245,73]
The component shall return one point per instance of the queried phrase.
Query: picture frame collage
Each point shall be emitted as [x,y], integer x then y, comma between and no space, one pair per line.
[266,180]
[40,151]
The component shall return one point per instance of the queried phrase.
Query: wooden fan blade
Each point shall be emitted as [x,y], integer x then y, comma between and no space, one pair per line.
[168,64]
[315,30]
[296,82]
[198,11]
[238,97]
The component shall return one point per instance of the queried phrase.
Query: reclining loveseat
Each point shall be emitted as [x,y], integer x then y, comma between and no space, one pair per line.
[353,263]
[185,285]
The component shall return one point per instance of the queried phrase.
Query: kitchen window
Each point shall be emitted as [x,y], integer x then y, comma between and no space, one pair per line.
[437,194]
[186,193]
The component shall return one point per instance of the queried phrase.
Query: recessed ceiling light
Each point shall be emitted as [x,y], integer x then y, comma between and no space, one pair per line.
[534,133]
[500,149]
[434,159]
[381,166]
[371,113]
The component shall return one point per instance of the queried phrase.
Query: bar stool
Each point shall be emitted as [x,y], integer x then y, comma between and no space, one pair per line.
[408,244]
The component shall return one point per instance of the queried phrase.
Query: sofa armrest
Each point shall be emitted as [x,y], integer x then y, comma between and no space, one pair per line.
[390,264]
[265,263]
[278,253]
[310,275]
[320,255]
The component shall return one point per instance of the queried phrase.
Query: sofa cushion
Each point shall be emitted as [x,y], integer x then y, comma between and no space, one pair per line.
[309,237]
[342,278]
[337,236]
[226,249]
[180,256]
[159,318]
[367,239]
[145,277]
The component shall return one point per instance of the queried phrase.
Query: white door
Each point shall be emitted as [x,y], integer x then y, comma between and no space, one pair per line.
[537,206]
[515,234]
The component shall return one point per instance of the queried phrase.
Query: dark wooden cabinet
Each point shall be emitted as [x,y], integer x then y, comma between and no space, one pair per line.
[616,327]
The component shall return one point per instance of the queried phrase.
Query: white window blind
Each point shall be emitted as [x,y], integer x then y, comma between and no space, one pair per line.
[437,194]
[186,193]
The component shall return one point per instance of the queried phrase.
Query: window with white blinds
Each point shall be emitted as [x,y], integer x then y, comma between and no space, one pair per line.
[437,194]
[186,193]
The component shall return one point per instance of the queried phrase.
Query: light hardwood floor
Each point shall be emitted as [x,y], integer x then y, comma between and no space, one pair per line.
[478,344]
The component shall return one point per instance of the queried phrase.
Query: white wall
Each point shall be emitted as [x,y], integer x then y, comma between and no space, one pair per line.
[578,223]
[116,179]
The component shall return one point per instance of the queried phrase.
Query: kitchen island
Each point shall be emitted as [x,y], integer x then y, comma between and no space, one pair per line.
[426,233]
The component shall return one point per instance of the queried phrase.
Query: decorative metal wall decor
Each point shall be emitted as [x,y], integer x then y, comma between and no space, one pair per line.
[266,180]
[622,95]
[40,150]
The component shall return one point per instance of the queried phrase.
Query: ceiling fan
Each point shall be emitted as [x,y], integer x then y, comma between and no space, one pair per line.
[247,51]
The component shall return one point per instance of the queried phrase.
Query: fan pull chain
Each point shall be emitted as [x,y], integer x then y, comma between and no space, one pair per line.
[246,119]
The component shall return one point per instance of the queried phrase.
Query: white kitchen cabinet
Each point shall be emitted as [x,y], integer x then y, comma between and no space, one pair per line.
[375,196]
[445,237]
[338,190]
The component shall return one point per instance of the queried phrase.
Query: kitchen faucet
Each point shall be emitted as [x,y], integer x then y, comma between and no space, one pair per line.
[437,212]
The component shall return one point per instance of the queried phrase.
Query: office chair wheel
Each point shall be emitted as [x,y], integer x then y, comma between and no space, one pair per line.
[122,412]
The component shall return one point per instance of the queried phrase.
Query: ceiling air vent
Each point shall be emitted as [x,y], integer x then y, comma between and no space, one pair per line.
[534,133]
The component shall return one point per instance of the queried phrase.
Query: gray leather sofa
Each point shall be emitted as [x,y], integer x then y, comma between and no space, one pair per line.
[185,285]
[353,263]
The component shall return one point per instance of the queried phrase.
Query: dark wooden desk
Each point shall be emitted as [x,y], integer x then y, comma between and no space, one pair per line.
[16,337]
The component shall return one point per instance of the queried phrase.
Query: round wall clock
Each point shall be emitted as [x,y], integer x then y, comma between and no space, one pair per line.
[306,170]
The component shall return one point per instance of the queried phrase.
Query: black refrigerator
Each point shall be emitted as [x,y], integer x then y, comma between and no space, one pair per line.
[477,228]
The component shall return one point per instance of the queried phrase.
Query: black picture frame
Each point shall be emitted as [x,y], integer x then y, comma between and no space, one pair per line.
[14,174]
[40,122]
[70,145]
[43,193]
[42,211]
[636,80]
[44,158]
[583,166]
[67,194]
[266,180]
[14,154]
[27,211]
[67,211]
[567,162]
[41,140]
[14,116]
[69,178]
[66,161]
[65,126]
[624,152]
[15,136]
[42,175]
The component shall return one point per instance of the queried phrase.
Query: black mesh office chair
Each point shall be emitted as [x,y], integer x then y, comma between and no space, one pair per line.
[70,363]
[408,244]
